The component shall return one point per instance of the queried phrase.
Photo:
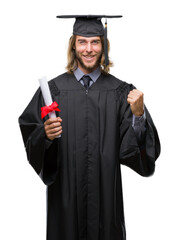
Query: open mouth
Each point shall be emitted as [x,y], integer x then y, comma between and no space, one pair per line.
[89,57]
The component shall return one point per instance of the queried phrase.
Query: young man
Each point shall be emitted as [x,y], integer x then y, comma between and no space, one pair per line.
[105,124]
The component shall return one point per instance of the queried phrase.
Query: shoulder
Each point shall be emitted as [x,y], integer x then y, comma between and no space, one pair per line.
[61,78]
[60,82]
[116,83]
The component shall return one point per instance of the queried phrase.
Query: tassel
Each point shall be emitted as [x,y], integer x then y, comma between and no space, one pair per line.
[106,44]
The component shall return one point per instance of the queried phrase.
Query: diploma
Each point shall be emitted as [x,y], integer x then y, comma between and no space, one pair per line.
[47,96]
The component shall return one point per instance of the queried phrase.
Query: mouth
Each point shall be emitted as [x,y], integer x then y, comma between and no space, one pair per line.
[89,57]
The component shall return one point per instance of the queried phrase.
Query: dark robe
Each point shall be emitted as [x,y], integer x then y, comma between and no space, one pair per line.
[82,168]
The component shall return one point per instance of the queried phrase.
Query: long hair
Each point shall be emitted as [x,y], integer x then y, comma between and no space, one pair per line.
[72,61]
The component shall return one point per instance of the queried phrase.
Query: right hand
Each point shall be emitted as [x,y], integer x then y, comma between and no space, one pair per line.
[53,127]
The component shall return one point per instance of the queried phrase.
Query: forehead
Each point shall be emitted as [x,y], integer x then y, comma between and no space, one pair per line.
[87,38]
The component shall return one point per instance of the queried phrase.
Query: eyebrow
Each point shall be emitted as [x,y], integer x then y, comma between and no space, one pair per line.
[93,40]
[81,39]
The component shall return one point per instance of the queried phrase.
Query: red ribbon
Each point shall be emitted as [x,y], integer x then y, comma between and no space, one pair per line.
[47,109]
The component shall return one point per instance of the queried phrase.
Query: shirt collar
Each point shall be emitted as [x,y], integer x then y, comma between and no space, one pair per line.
[93,75]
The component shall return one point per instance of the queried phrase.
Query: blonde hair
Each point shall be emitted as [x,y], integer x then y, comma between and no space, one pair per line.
[72,61]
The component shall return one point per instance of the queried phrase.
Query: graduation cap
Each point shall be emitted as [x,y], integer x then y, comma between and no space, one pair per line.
[91,26]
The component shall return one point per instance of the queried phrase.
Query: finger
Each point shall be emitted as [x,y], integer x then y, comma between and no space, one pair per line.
[137,92]
[49,130]
[130,100]
[132,97]
[54,135]
[131,93]
[54,130]
[52,125]
[52,120]
[59,119]
[135,96]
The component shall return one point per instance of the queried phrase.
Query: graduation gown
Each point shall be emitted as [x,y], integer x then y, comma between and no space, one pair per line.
[82,168]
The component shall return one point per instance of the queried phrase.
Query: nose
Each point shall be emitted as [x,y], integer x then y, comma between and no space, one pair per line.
[89,47]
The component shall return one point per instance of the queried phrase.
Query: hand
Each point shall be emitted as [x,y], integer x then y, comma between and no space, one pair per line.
[53,127]
[136,101]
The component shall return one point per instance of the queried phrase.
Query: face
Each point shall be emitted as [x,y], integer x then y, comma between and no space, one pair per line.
[88,53]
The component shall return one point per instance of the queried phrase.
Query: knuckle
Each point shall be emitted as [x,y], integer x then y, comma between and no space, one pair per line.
[50,120]
[55,130]
[46,123]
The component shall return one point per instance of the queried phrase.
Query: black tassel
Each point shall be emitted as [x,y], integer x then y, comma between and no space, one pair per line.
[106,45]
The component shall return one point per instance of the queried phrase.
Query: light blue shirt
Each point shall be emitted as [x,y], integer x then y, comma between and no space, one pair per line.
[93,75]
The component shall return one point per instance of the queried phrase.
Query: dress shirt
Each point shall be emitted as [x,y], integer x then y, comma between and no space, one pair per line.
[93,75]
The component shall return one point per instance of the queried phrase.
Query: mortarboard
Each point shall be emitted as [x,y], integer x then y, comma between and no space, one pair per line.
[90,26]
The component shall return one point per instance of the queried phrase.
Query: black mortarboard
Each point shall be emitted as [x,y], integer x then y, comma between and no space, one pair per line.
[90,26]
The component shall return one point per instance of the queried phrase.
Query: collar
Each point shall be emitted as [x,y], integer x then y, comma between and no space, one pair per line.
[93,75]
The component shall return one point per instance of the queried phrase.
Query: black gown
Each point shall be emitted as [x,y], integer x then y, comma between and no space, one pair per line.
[82,168]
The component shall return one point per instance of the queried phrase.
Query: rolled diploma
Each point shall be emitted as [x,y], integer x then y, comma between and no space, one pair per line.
[47,95]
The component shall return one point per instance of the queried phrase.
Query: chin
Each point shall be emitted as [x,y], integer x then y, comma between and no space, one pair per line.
[91,67]
[89,64]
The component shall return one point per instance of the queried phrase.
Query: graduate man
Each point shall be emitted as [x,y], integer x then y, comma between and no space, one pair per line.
[103,123]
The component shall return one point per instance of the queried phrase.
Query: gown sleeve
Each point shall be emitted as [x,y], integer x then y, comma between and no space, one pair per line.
[139,126]
[41,154]
[139,156]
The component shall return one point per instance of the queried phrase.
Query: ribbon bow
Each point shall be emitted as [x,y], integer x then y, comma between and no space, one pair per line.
[47,109]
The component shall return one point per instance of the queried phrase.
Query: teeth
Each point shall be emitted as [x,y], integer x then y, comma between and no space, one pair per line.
[88,57]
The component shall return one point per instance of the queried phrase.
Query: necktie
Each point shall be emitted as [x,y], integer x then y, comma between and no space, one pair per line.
[86,79]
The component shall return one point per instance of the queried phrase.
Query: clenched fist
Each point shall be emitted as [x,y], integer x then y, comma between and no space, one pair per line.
[136,101]
[53,127]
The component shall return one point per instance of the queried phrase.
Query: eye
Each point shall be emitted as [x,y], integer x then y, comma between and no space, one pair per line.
[95,42]
[82,42]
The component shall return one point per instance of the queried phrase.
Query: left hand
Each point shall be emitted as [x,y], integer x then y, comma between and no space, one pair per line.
[136,101]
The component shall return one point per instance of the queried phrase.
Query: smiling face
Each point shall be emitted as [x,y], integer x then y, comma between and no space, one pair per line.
[88,53]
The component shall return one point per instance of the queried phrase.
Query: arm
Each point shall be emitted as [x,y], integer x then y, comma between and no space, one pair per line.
[41,155]
[136,100]
[140,156]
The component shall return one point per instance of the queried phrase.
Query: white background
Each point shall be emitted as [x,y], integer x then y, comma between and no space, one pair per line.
[145,52]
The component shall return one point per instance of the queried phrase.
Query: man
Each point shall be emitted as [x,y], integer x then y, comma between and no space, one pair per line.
[105,124]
